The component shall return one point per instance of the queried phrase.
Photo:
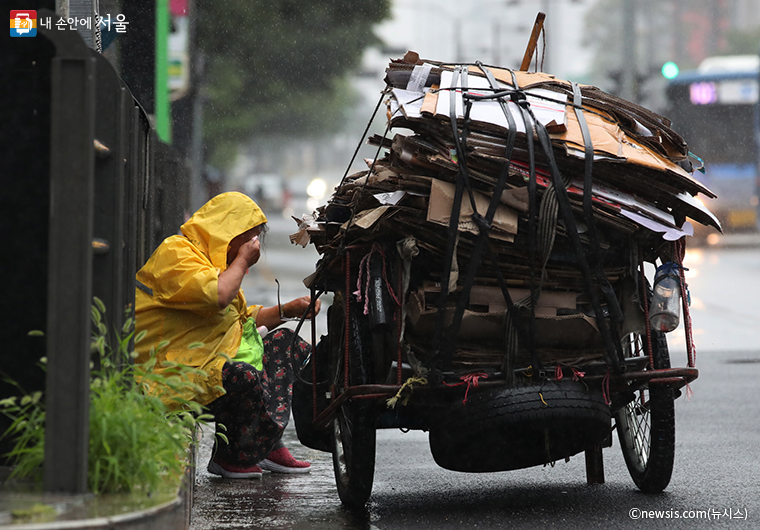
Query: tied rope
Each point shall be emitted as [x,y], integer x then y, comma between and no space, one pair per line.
[391,402]
[469,380]
[577,374]
[606,388]
[362,287]
[679,252]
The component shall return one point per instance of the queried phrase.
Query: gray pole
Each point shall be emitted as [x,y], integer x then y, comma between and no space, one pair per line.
[198,192]
[86,10]
[628,55]
[496,43]
[757,151]
[545,65]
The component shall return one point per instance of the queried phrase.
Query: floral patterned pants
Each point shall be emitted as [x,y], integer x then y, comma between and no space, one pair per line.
[256,408]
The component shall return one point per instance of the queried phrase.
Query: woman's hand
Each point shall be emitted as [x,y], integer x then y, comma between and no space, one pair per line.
[250,251]
[270,316]
[295,308]
[243,254]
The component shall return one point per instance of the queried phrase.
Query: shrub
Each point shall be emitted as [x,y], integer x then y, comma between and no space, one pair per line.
[136,443]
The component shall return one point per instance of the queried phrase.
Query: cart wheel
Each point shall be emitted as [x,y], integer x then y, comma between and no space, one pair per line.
[354,454]
[646,426]
[353,429]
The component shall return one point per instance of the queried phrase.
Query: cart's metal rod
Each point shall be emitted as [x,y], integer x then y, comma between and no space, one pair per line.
[663,376]
[399,318]
[676,382]
[347,315]
[364,390]
[313,352]
[690,374]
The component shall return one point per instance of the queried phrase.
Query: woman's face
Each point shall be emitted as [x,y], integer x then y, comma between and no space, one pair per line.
[239,241]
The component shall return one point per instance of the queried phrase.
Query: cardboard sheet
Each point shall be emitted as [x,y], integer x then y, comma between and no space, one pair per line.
[566,332]
[549,301]
[504,224]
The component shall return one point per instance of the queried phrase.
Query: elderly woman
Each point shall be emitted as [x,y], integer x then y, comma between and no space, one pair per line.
[188,293]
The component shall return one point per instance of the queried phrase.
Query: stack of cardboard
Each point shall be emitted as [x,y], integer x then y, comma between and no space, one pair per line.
[642,193]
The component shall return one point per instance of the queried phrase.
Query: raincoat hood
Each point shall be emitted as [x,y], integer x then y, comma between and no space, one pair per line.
[219,221]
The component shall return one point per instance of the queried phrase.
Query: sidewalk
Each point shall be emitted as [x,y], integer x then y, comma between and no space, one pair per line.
[274,501]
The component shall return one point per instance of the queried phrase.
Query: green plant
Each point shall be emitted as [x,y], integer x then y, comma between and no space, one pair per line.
[137,443]
[27,415]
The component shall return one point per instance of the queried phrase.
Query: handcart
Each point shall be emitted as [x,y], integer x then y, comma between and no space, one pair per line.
[478,419]
[526,324]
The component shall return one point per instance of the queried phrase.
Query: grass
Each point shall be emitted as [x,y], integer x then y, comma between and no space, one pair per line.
[137,444]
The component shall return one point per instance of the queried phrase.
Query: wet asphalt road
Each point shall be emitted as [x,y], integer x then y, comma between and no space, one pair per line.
[717,469]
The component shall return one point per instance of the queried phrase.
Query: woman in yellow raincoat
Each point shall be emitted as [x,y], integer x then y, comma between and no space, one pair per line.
[189,293]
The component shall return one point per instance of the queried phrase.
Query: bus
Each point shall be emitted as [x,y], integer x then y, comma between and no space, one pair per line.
[716,109]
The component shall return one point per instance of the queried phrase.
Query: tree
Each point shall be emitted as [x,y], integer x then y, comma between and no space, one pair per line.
[746,42]
[280,66]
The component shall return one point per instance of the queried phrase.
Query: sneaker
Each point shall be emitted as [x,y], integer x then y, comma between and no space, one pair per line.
[281,461]
[228,471]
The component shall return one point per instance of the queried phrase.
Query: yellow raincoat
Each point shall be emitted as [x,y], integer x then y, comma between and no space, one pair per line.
[177,298]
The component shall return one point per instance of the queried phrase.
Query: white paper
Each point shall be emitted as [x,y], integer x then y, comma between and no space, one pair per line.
[409,102]
[547,111]
[669,233]
[391,197]
[632,203]
[580,153]
[490,111]
[419,77]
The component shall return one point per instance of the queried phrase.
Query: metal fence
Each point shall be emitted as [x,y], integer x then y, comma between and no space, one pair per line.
[115,193]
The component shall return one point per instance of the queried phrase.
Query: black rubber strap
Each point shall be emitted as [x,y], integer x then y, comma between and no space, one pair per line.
[535,290]
[453,225]
[484,227]
[588,147]
[515,330]
[613,347]
[596,260]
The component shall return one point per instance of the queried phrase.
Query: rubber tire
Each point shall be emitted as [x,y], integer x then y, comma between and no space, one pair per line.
[353,431]
[516,428]
[303,401]
[650,464]
[354,438]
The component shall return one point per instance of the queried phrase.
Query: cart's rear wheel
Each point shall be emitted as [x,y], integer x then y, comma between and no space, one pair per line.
[354,453]
[353,429]
[646,426]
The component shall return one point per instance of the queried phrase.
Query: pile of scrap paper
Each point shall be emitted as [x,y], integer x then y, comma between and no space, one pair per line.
[457,137]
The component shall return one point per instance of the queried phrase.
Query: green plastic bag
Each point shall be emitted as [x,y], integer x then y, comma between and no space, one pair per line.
[251,348]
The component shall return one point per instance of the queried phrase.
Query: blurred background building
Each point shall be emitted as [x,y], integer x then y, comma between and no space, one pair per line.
[618,45]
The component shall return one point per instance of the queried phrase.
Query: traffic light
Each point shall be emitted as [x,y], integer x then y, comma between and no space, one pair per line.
[669,70]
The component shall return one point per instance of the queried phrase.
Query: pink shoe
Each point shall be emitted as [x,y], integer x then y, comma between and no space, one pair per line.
[229,471]
[281,461]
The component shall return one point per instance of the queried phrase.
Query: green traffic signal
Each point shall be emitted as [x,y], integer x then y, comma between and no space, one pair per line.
[670,70]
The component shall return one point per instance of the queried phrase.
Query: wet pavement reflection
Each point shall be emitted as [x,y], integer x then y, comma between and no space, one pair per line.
[274,501]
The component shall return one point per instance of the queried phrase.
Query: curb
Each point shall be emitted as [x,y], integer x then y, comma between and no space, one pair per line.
[171,515]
